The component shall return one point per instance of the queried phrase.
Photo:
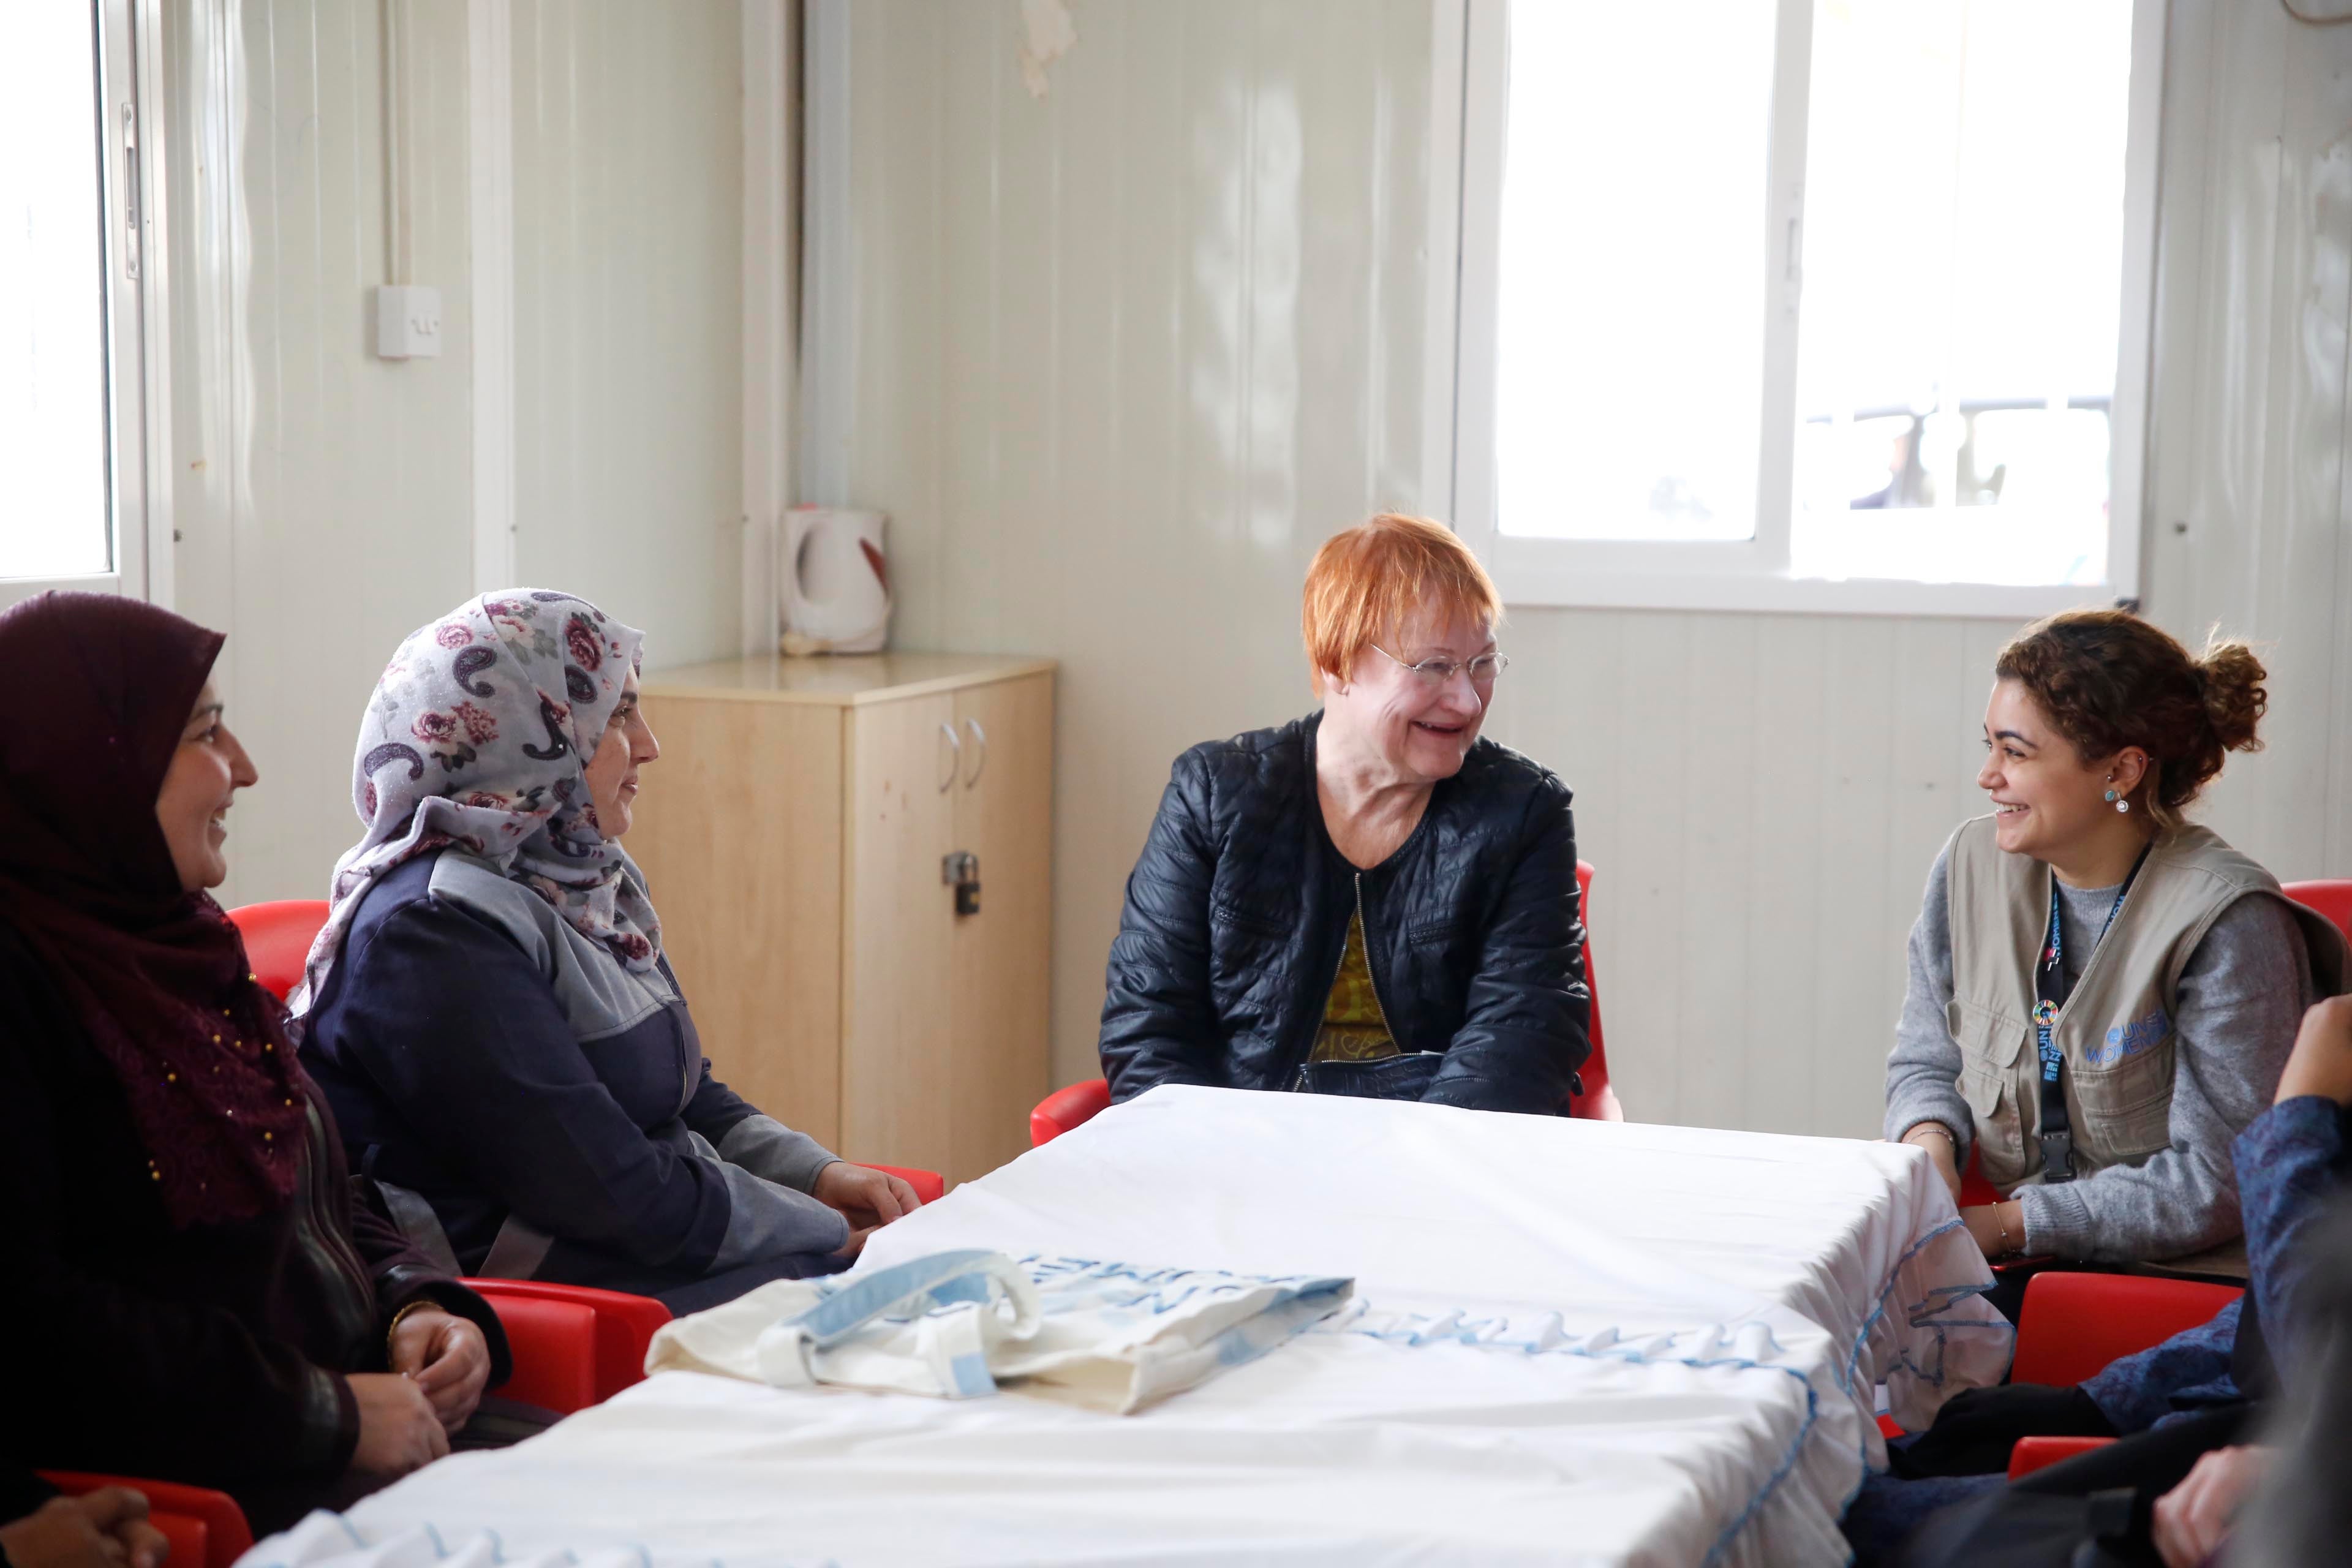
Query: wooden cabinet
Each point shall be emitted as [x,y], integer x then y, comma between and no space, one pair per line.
[798,832]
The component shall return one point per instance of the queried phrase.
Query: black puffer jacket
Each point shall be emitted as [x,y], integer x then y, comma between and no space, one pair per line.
[1237,914]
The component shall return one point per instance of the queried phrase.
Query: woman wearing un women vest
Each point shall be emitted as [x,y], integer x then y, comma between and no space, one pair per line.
[2103,995]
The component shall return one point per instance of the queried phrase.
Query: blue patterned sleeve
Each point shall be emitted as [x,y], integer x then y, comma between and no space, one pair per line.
[2136,1391]
[2290,1160]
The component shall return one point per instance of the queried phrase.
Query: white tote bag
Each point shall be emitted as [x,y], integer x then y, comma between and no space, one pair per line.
[1111,1336]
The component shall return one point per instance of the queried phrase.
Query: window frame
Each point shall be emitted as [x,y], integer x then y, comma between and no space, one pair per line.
[136,332]
[1469,105]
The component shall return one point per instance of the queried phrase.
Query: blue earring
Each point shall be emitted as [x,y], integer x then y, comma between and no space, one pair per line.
[2111,795]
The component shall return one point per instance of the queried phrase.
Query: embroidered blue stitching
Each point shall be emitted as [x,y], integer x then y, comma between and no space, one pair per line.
[1956,1293]
[1452,1328]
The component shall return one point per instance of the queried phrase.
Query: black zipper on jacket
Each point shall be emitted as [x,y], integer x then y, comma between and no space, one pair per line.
[325,1241]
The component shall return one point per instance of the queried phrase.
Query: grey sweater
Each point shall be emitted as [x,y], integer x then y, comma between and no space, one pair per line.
[2241,998]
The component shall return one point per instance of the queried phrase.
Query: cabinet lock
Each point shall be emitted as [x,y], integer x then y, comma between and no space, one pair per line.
[960,871]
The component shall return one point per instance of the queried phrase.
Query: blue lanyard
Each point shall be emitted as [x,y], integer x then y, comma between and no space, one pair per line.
[2053,974]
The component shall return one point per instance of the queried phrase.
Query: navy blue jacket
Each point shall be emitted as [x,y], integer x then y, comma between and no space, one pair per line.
[554,1113]
[1237,915]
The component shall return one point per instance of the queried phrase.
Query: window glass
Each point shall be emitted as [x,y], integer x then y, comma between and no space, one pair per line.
[53,350]
[1629,355]
[1963,262]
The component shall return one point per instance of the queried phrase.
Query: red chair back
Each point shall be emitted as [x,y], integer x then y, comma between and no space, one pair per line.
[1599,1101]
[554,1348]
[573,1346]
[278,937]
[2031,1454]
[1078,1103]
[205,1528]
[2072,1325]
[1065,1108]
[2332,897]
[1975,1191]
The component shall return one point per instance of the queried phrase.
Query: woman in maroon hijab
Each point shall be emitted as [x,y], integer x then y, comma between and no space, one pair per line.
[195,1290]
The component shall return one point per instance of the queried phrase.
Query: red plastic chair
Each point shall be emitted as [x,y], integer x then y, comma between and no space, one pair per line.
[278,937]
[2031,1454]
[573,1346]
[2072,1325]
[205,1528]
[1599,1101]
[2332,898]
[1075,1104]
[1066,1108]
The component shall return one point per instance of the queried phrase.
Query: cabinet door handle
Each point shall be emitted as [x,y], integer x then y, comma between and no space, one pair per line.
[980,759]
[955,757]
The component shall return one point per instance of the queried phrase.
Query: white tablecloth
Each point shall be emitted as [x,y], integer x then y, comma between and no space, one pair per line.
[1580,1343]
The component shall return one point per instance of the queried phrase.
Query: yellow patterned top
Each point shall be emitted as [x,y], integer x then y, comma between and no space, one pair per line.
[1354,1029]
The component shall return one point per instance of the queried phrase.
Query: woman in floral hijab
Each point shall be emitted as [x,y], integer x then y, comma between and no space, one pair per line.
[475,737]
[488,1008]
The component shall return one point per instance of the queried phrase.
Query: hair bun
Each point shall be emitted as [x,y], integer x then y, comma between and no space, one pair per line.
[2230,678]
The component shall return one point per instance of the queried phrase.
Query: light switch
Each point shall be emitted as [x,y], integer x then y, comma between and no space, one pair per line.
[407,321]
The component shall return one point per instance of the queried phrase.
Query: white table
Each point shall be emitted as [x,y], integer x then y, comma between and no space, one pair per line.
[1717,1308]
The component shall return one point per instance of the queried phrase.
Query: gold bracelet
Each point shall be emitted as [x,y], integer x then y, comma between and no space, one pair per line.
[2006,1250]
[422,1304]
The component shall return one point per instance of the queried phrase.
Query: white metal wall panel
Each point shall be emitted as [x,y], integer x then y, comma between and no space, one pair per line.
[628,313]
[324,495]
[1124,356]
[321,492]
[2250,524]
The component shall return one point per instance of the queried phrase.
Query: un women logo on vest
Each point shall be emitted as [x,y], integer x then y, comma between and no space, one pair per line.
[2130,1039]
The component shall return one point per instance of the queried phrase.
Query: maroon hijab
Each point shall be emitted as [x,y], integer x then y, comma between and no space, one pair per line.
[158,975]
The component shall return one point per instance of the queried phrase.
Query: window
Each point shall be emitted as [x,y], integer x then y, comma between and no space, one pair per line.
[1832,304]
[70,364]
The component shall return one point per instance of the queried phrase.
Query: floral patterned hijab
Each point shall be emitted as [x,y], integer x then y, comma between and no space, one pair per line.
[479,735]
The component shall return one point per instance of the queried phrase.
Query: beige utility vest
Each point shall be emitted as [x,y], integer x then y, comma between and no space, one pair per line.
[2116,1027]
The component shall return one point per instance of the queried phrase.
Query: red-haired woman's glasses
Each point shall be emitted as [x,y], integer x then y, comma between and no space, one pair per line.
[1482,670]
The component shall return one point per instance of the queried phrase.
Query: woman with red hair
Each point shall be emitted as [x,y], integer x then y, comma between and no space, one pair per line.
[1372,900]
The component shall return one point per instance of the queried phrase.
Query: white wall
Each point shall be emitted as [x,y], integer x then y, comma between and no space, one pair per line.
[628,313]
[321,495]
[324,497]
[1123,357]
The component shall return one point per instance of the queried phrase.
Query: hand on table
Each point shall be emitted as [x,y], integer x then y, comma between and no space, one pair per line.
[447,1359]
[2322,1062]
[866,1198]
[2192,1518]
[104,1529]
